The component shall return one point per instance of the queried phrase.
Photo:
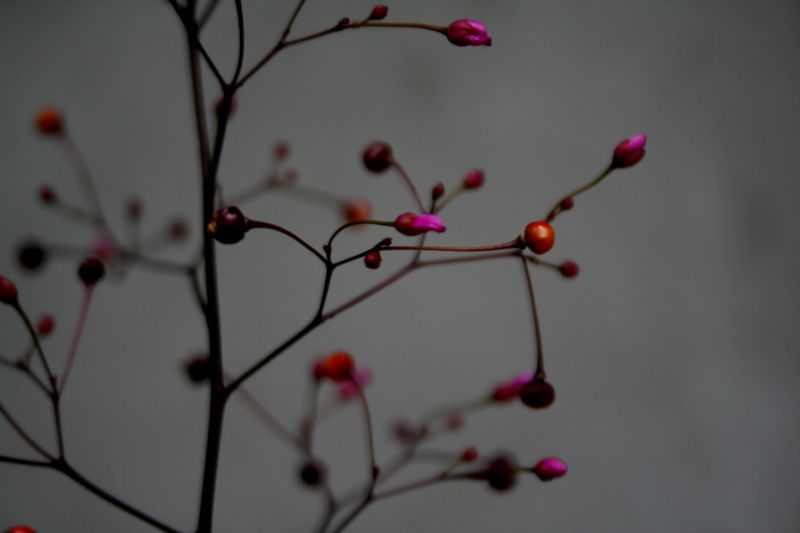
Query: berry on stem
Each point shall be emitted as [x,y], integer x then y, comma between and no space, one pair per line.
[467,32]
[197,368]
[20,529]
[31,255]
[540,236]
[357,209]
[569,269]
[377,157]
[49,121]
[550,468]
[469,454]
[91,270]
[629,152]
[8,291]
[373,260]
[45,325]
[379,12]
[473,180]
[228,225]
[437,191]
[567,203]
[501,473]
[337,367]
[538,393]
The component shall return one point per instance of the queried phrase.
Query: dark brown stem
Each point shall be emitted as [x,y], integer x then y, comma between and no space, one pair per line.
[556,210]
[252,224]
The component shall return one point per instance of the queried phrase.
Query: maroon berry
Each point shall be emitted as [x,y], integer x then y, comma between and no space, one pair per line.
[312,473]
[569,269]
[537,393]
[228,225]
[49,121]
[91,270]
[377,157]
[473,180]
[373,260]
[47,195]
[469,454]
[197,368]
[379,12]
[437,191]
[8,291]
[567,203]
[45,325]
[501,473]
[31,255]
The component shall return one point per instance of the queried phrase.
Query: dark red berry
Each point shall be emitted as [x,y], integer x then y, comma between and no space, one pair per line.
[569,269]
[373,260]
[377,157]
[49,121]
[8,291]
[228,225]
[45,325]
[312,473]
[91,270]
[47,195]
[31,255]
[437,191]
[473,180]
[338,366]
[501,473]
[469,454]
[197,368]
[537,393]
[567,203]
[20,529]
[379,12]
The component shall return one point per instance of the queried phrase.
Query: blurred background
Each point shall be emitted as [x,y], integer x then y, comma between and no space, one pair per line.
[674,353]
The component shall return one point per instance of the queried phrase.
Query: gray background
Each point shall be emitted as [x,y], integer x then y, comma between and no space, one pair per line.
[674,353]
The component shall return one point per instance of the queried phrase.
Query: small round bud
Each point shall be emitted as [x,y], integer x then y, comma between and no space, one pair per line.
[379,12]
[412,225]
[197,368]
[91,270]
[45,325]
[357,209]
[567,203]
[281,150]
[134,208]
[569,269]
[20,529]
[373,260]
[537,393]
[437,191]
[540,236]
[466,32]
[49,121]
[338,366]
[312,473]
[550,468]
[469,454]
[178,229]
[474,180]
[377,157]
[31,255]
[228,225]
[501,473]
[47,195]
[629,152]
[8,291]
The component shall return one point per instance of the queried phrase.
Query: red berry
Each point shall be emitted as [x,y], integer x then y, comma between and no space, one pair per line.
[338,366]
[373,260]
[437,191]
[228,225]
[47,195]
[540,236]
[357,210]
[379,12]
[469,454]
[8,291]
[91,270]
[49,121]
[537,393]
[45,325]
[20,529]
[473,180]
[377,157]
[569,269]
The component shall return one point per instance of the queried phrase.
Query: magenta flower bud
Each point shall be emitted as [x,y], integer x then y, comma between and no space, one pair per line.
[550,468]
[473,180]
[466,32]
[348,389]
[629,152]
[412,225]
[377,157]
[508,390]
[379,12]
[8,291]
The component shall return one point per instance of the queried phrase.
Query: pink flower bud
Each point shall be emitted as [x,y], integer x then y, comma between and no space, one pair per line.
[348,389]
[629,152]
[412,225]
[466,32]
[473,180]
[550,468]
[508,390]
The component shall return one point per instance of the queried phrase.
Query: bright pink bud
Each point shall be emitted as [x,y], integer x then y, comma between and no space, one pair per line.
[508,390]
[550,468]
[348,389]
[8,291]
[629,152]
[474,179]
[411,224]
[466,32]
[103,248]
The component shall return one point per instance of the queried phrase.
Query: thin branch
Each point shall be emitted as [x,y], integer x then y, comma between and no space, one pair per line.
[410,184]
[274,227]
